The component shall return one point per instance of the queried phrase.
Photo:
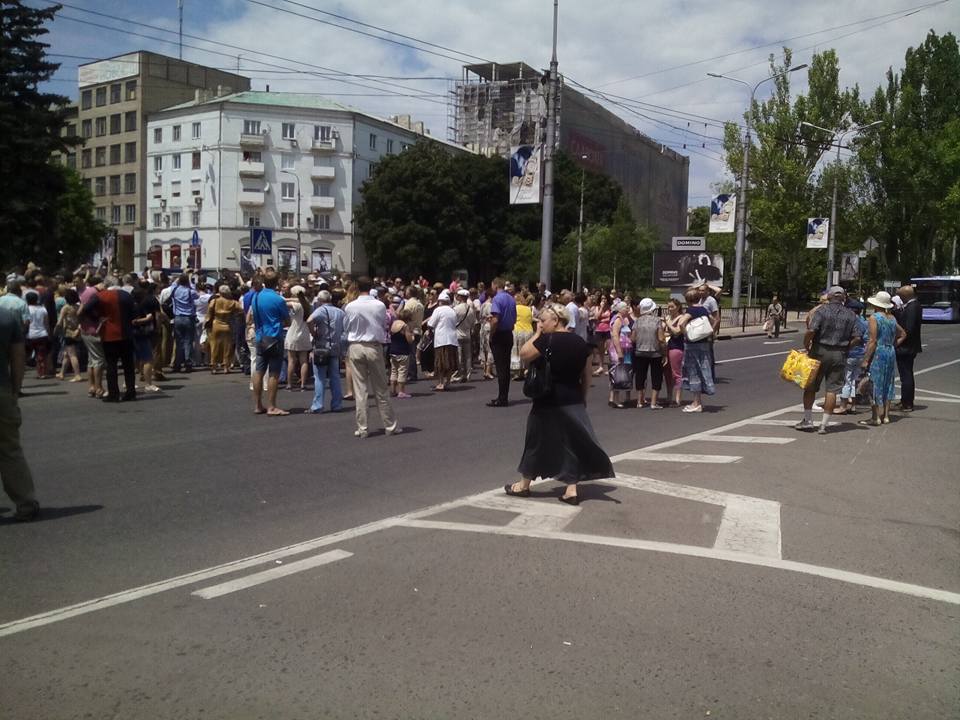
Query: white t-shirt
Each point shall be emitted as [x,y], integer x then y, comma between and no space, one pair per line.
[572,312]
[443,320]
[710,304]
[38,322]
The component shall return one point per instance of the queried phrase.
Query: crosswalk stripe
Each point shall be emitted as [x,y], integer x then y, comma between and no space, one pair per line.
[214,591]
[759,440]
[680,458]
[786,423]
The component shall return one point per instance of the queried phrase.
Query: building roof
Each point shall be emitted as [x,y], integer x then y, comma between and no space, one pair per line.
[305,101]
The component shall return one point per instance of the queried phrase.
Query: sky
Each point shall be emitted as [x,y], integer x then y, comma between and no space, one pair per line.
[655,52]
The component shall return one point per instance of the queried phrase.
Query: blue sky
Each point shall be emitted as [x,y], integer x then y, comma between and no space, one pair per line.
[651,52]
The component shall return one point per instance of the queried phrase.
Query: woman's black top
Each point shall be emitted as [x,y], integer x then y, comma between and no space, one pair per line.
[568,354]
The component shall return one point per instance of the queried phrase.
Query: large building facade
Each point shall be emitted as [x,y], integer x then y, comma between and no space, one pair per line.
[292,163]
[116,96]
[497,106]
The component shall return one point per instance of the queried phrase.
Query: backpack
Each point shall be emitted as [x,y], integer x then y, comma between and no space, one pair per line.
[324,337]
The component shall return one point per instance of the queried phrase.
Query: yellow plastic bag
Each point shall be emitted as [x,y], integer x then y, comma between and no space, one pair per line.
[800,368]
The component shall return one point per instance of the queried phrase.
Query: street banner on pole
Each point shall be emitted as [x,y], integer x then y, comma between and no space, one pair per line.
[672,268]
[849,266]
[723,214]
[818,233]
[525,183]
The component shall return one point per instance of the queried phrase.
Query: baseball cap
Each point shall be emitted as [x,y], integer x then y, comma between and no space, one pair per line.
[836,290]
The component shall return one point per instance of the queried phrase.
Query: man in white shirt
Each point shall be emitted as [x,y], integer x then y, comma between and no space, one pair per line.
[365,319]
[566,297]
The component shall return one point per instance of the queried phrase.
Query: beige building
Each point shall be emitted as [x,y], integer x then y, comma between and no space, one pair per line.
[116,96]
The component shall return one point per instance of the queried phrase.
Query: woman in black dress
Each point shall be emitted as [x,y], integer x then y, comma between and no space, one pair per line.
[560,443]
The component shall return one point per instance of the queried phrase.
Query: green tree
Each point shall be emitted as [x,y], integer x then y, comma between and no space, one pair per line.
[76,232]
[619,255]
[30,125]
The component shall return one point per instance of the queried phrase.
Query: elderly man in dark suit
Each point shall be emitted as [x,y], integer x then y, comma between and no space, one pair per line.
[910,318]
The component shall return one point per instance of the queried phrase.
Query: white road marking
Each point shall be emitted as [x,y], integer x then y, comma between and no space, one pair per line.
[752,357]
[681,458]
[776,342]
[215,591]
[934,392]
[758,439]
[936,367]
[702,552]
[788,423]
[552,516]
[937,399]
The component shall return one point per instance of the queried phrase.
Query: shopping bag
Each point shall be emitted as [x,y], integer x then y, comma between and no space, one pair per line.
[621,377]
[801,369]
[768,326]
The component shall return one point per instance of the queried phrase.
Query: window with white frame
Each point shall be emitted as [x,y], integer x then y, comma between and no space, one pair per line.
[176,133]
[157,163]
[175,218]
[157,219]
[195,218]
[130,213]
[251,127]
[100,126]
[322,132]
[176,161]
[287,162]
[195,131]
[287,220]
[175,189]
[321,189]
[373,141]
[252,156]
[289,131]
[158,135]
[101,214]
[252,219]
[389,146]
[288,191]
[115,214]
[195,160]
[321,221]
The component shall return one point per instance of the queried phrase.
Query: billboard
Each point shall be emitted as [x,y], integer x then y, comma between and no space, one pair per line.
[818,233]
[103,71]
[849,267]
[525,162]
[723,213]
[672,269]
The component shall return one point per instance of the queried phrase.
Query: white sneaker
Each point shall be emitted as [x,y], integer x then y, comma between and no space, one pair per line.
[360,433]
[804,425]
[396,431]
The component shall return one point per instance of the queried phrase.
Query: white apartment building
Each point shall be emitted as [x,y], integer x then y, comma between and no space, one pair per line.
[221,166]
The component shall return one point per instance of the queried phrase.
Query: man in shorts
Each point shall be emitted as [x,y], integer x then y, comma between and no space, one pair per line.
[270,313]
[831,334]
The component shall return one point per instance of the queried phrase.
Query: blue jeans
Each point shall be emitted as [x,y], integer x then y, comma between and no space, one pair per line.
[184,330]
[324,370]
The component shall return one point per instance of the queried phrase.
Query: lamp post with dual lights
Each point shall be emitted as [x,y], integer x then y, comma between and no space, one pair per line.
[299,247]
[838,136]
[744,179]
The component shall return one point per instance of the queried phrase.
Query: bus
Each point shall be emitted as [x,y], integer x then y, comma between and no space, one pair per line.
[939,297]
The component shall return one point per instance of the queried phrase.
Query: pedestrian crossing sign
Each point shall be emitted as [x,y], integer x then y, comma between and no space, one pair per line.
[261,241]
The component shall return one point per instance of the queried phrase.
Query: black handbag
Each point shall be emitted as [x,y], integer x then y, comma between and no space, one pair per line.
[621,377]
[538,384]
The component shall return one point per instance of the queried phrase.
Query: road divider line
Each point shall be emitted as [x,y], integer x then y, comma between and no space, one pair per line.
[743,558]
[937,399]
[757,439]
[215,591]
[934,392]
[753,357]
[680,458]
[936,367]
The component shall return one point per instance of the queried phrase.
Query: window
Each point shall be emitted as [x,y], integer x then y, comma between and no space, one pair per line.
[321,221]
[86,184]
[101,96]
[157,190]
[131,89]
[115,93]
[130,121]
[115,214]
[389,146]
[251,127]
[115,154]
[251,219]
[175,189]
[252,156]
[195,218]
[287,257]
[157,163]
[371,169]
[101,126]
[195,161]
[175,218]
[176,161]
[116,121]
[195,131]
[158,135]
[130,213]
[72,130]
[86,99]
[287,162]
[72,161]
[86,128]
[175,256]
[114,184]
[289,131]
[321,132]
[130,183]
[373,141]
[286,220]
[176,133]
[86,158]
[287,191]
[157,219]
[101,214]
[321,189]
[404,146]
[100,156]
[130,152]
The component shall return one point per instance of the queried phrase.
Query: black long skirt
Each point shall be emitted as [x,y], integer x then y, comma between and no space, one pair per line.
[560,444]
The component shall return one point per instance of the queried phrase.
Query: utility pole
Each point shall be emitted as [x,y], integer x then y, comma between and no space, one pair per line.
[180,9]
[546,233]
[579,285]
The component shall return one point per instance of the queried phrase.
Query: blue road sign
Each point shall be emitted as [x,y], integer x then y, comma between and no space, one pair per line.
[195,239]
[261,241]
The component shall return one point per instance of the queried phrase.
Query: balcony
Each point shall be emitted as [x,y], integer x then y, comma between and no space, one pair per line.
[248,168]
[251,197]
[252,139]
[322,203]
[324,145]
[322,173]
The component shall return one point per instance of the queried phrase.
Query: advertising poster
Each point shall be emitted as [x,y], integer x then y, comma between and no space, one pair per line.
[818,233]
[525,161]
[321,261]
[723,214]
[673,268]
[849,267]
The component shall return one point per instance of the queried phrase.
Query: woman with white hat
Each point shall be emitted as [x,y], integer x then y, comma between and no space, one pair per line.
[298,342]
[880,357]
[443,322]
[621,355]
[649,349]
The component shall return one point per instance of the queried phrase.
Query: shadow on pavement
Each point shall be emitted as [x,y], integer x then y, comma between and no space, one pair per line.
[54,513]
[45,392]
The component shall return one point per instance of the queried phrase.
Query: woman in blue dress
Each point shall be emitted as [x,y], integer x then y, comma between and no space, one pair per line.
[880,357]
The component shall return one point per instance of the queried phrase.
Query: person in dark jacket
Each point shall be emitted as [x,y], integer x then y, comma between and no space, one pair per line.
[910,318]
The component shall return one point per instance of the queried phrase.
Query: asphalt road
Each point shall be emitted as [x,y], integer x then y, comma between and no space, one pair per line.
[196,561]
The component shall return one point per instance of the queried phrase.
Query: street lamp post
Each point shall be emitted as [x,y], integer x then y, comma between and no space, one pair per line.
[299,246]
[744,178]
[838,136]
[580,230]
[546,231]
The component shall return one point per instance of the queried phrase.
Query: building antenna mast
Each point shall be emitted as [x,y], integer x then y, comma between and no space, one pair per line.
[180,8]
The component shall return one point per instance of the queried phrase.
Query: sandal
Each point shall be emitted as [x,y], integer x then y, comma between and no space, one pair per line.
[869,423]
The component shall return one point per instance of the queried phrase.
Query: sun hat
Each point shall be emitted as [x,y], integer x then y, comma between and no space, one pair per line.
[444,296]
[881,300]
[647,306]
[464,292]
[297,290]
